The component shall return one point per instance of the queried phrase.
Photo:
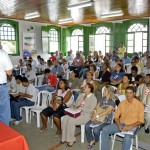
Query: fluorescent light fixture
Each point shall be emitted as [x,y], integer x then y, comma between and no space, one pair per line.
[112,14]
[80,5]
[63,21]
[32,15]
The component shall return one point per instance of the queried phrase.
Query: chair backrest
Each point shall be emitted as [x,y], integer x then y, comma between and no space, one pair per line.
[43,98]
[23,70]
[39,80]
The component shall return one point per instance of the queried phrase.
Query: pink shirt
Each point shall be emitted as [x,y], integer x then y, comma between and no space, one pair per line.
[78,62]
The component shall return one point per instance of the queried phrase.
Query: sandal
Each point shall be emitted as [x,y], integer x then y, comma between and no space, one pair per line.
[91,145]
[70,145]
[62,142]
[43,129]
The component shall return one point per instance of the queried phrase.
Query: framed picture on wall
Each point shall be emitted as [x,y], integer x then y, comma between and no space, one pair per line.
[29,42]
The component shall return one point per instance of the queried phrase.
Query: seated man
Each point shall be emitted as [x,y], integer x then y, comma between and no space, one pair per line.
[23,99]
[143,92]
[129,115]
[49,82]
[58,70]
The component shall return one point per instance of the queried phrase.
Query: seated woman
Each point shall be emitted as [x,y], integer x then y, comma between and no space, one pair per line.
[74,83]
[93,69]
[89,79]
[102,116]
[125,83]
[57,112]
[86,102]
[104,79]
[116,76]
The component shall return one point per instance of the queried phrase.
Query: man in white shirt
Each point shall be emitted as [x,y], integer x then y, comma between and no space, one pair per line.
[69,58]
[5,69]
[23,99]
[146,69]
[30,74]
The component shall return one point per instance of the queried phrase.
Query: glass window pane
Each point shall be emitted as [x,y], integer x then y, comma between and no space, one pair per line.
[107,43]
[107,49]
[80,44]
[144,42]
[144,35]
[130,49]
[45,44]
[130,43]
[80,38]
[144,49]
[138,42]
[53,46]
[130,36]
[107,37]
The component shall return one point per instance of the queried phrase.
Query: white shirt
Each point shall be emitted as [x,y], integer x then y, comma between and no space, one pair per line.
[30,75]
[31,90]
[5,64]
[12,84]
[146,71]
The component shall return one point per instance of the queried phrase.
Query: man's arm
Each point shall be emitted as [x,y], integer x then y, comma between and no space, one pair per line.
[8,72]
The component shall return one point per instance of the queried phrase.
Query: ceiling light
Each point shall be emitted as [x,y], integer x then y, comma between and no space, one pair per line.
[63,21]
[32,15]
[112,14]
[80,5]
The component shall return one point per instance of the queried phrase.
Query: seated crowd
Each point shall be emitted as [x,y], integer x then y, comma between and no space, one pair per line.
[93,87]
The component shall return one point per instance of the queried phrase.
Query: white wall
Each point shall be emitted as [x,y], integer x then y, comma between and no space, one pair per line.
[23,26]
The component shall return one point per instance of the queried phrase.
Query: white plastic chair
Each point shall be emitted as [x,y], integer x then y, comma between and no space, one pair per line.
[38,80]
[23,70]
[44,97]
[122,135]
[27,109]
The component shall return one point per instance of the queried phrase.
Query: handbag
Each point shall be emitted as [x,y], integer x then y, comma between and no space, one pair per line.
[72,112]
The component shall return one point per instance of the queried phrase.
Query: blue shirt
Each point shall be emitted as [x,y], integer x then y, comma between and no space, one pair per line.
[116,76]
[126,60]
[57,69]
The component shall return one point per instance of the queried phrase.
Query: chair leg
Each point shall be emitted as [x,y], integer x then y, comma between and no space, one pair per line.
[100,140]
[113,142]
[52,125]
[21,111]
[38,120]
[27,115]
[136,142]
[82,133]
[30,116]
[131,147]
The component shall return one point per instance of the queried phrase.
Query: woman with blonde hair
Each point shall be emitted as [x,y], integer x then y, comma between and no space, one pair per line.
[101,117]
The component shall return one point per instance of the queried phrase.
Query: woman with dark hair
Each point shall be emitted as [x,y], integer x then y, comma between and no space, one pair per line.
[86,102]
[126,81]
[116,76]
[56,107]
[74,83]
[50,64]
[93,69]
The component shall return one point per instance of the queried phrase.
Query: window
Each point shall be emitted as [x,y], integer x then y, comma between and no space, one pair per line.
[77,41]
[137,38]
[103,40]
[8,38]
[50,40]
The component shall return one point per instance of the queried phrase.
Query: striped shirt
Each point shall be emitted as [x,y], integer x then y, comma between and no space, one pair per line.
[130,112]
[143,92]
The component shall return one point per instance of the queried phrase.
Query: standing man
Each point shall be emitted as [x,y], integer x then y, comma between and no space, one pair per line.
[121,50]
[129,115]
[5,69]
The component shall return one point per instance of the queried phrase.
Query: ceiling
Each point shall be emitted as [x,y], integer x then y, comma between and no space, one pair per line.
[51,11]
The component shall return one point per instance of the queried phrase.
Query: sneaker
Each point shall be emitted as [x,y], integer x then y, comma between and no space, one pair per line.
[147,130]
[11,119]
[17,122]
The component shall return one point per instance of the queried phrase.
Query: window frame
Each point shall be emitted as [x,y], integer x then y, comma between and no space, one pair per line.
[133,33]
[15,26]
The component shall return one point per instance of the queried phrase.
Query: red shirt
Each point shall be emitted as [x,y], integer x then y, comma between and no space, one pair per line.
[52,80]
[52,58]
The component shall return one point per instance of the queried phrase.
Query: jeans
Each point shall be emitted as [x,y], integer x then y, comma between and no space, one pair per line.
[15,108]
[111,129]
[47,88]
[4,105]
[93,133]
[75,94]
